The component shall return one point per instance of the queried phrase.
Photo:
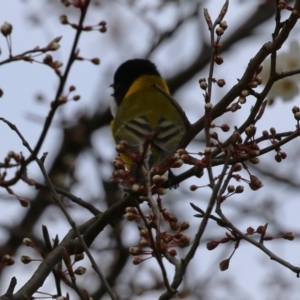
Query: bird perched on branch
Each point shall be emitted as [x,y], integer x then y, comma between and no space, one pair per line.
[145,118]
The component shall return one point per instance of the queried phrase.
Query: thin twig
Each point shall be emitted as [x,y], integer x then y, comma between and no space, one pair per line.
[49,118]
[157,220]
[91,208]
[62,207]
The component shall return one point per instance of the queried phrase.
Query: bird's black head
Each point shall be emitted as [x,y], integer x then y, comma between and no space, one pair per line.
[128,72]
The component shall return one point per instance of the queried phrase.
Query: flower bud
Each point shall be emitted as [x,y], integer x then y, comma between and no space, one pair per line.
[135,187]
[79,257]
[261,229]
[278,157]
[28,242]
[219,60]
[54,46]
[6,29]
[237,167]
[283,155]
[250,230]
[225,127]
[208,107]
[212,245]
[239,189]
[255,183]
[242,100]
[219,31]
[7,260]
[63,19]
[203,85]
[213,135]
[297,116]
[295,109]
[230,189]
[48,59]
[184,241]
[207,151]
[184,226]
[193,187]
[245,93]
[250,130]
[253,84]
[57,64]
[289,236]
[224,264]
[178,163]
[26,259]
[234,107]
[76,97]
[273,130]
[95,61]
[80,270]
[221,82]
[137,260]
[224,25]
[158,179]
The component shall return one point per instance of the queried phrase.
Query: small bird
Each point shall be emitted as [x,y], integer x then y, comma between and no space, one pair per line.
[141,111]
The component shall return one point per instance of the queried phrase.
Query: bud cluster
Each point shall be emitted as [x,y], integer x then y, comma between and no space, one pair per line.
[221,29]
[262,229]
[178,158]
[231,190]
[17,158]
[249,149]
[122,175]
[54,64]
[63,99]
[184,157]
[243,96]
[217,45]
[253,181]
[233,237]
[296,112]
[203,83]
[101,26]
[271,135]
[164,242]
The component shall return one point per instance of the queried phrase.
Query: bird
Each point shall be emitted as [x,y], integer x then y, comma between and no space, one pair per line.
[142,112]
